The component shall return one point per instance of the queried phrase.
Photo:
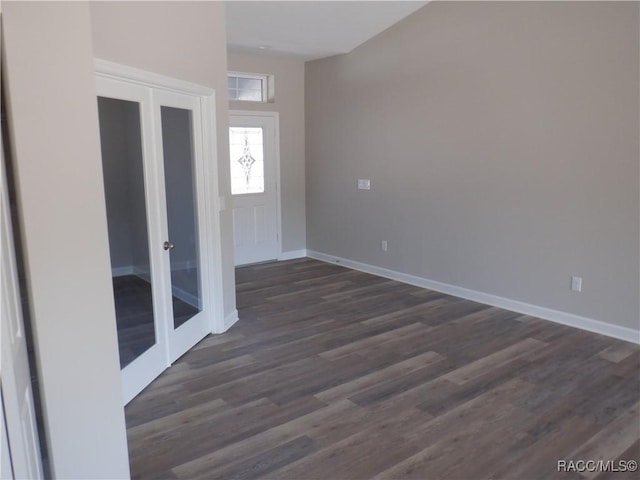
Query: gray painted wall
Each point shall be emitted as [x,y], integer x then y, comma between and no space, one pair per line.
[501,140]
[116,181]
[289,102]
[137,205]
[122,168]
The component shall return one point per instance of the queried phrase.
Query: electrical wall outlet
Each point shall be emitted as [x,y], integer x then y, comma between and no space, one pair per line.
[384,246]
[576,284]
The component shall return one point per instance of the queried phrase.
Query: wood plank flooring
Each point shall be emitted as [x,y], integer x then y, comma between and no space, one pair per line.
[336,374]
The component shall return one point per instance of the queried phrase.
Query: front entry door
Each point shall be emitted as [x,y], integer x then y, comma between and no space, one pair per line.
[254,184]
[160,241]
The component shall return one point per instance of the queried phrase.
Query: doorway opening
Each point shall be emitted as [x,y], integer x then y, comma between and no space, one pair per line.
[254,163]
[160,182]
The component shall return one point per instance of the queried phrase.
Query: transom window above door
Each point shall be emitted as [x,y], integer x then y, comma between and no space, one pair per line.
[249,87]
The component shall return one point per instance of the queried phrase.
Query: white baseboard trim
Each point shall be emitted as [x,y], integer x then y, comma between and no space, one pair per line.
[230,320]
[122,271]
[292,255]
[564,318]
[185,296]
[143,272]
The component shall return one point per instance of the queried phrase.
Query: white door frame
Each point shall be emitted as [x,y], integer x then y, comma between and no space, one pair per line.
[6,469]
[276,120]
[209,210]
[20,442]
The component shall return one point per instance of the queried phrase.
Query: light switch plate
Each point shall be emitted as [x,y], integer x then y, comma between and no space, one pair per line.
[576,284]
[364,184]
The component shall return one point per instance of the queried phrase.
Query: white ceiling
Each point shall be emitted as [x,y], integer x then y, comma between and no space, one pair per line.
[308,30]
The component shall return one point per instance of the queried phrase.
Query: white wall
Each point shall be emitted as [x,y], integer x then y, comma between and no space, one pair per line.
[48,59]
[51,102]
[501,140]
[289,103]
[119,124]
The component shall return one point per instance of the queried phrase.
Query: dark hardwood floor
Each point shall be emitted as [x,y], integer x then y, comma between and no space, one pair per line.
[335,374]
[134,317]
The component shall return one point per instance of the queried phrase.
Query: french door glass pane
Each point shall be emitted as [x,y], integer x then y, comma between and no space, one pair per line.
[177,149]
[122,165]
[247,160]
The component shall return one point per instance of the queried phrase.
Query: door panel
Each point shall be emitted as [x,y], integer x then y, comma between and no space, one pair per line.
[182,181]
[254,183]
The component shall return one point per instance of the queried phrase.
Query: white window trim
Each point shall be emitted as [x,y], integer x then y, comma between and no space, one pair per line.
[256,76]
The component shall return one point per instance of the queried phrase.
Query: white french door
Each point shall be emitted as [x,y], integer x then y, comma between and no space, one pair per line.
[161,238]
[182,186]
[253,148]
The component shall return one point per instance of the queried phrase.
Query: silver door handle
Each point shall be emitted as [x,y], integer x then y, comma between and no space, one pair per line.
[168,246]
